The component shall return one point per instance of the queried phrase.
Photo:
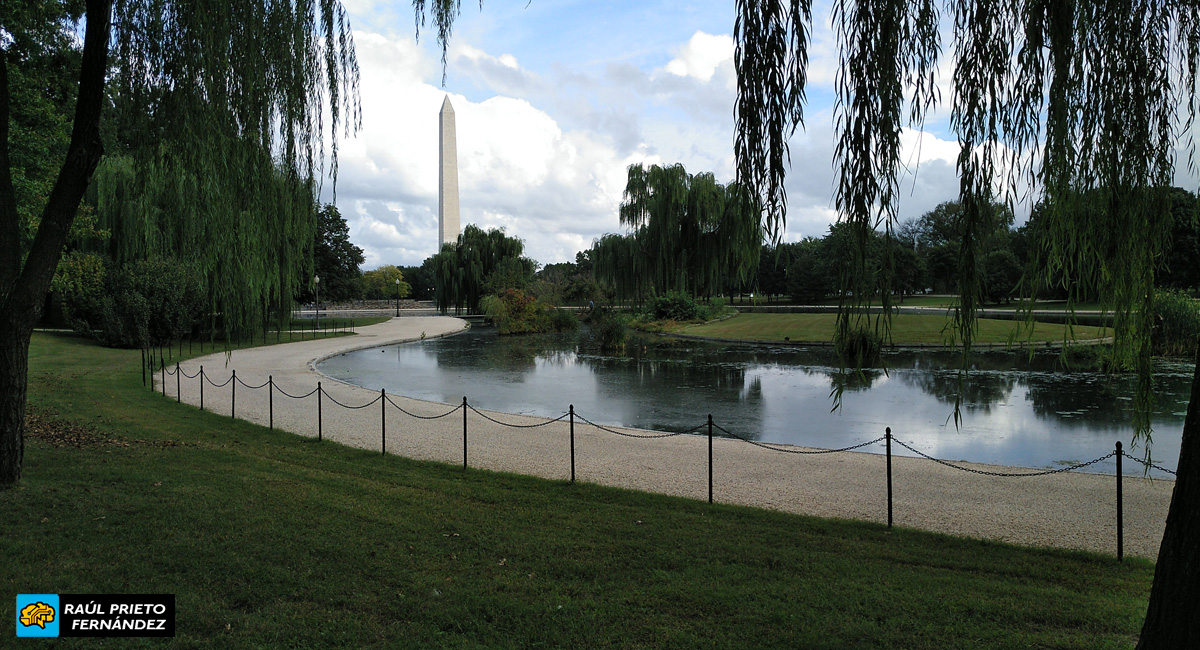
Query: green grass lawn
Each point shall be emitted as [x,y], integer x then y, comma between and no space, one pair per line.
[297,329]
[907,329]
[950,301]
[932,300]
[336,322]
[270,540]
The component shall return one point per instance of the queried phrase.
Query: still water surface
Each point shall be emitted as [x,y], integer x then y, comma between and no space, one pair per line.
[1017,411]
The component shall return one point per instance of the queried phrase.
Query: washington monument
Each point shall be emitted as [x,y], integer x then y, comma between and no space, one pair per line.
[447,176]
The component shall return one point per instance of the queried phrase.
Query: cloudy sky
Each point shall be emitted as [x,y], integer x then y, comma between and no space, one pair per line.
[553,100]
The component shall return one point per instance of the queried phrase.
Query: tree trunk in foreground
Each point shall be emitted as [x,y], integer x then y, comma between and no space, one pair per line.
[14,367]
[23,288]
[1173,616]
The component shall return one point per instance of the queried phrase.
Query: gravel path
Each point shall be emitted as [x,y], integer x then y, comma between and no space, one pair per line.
[1068,510]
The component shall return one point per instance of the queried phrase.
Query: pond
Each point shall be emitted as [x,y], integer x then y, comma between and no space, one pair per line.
[1017,411]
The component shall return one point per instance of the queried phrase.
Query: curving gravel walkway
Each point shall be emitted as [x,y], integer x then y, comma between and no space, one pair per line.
[1068,510]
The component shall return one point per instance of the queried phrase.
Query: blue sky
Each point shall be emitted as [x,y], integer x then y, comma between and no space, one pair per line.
[553,100]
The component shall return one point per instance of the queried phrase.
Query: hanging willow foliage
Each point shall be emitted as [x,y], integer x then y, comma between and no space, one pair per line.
[220,115]
[687,233]
[771,56]
[461,270]
[226,115]
[619,261]
[253,246]
[1074,103]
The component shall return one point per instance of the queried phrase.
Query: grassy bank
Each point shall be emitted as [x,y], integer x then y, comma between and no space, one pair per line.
[907,329]
[336,322]
[271,540]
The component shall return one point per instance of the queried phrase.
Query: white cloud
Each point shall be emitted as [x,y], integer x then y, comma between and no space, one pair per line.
[544,155]
[701,56]
[518,169]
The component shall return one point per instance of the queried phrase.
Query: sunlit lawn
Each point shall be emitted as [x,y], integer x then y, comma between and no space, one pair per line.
[907,329]
[271,540]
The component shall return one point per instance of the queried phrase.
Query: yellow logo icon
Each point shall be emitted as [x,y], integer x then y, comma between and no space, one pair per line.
[37,614]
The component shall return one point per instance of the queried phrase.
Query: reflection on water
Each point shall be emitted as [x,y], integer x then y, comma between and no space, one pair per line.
[1016,410]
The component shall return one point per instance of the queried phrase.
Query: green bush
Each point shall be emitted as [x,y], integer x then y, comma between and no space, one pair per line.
[679,307]
[79,286]
[714,308]
[1176,324]
[609,329]
[673,305]
[144,303]
[859,348]
[514,312]
[561,320]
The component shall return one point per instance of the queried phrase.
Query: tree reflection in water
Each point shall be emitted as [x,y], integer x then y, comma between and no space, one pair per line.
[1018,410]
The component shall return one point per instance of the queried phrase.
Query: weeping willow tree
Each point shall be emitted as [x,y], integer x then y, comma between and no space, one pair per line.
[216,148]
[250,267]
[620,262]
[224,114]
[1077,103]
[688,233]
[464,270]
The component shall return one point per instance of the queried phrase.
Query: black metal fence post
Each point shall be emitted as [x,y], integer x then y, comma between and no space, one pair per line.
[200,378]
[383,420]
[271,402]
[233,394]
[1120,510]
[887,434]
[319,433]
[143,367]
[710,427]
[163,365]
[177,392]
[571,410]
[464,408]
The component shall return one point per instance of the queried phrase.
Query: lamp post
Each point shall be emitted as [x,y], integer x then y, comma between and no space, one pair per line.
[397,297]
[317,283]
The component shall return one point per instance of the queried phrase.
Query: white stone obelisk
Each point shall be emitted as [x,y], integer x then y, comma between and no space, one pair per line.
[447,176]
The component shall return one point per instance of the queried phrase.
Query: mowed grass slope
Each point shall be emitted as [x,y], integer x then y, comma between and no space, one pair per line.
[907,329]
[270,540]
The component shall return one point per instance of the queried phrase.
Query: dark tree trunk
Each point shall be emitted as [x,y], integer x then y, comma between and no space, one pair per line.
[23,288]
[1173,616]
[14,367]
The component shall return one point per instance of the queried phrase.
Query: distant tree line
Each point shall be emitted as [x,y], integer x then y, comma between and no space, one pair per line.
[925,252]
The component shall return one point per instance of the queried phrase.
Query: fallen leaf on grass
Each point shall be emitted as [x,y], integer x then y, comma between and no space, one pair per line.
[43,425]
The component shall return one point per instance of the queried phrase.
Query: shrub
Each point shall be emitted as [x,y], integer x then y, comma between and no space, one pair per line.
[79,286]
[859,348]
[609,330]
[673,305]
[140,304]
[561,320]
[514,312]
[679,307]
[1176,324]
[714,308]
